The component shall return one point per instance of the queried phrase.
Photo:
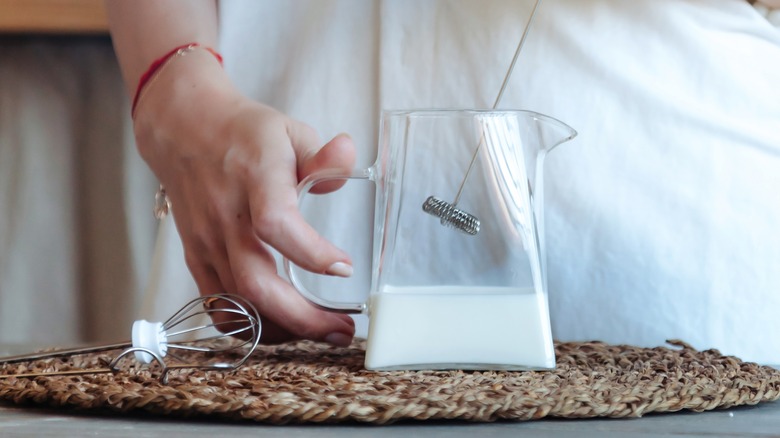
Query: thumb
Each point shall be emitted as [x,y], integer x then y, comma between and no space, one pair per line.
[337,154]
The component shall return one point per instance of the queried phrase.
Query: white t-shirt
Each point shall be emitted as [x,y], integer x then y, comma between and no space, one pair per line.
[661,216]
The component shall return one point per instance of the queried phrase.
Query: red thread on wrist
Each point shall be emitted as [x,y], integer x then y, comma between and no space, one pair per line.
[157,63]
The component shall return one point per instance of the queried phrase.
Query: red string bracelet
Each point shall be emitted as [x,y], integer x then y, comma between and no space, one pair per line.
[160,62]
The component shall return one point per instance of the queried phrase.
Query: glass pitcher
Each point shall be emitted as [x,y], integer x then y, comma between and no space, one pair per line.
[441,298]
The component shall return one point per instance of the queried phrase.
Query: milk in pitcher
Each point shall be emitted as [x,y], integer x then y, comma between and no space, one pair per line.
[457,327]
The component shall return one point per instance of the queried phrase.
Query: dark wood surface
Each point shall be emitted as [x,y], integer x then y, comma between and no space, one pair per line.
[758,421]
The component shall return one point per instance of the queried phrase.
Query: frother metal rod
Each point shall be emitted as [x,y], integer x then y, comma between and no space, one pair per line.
[498,99]
[447,212]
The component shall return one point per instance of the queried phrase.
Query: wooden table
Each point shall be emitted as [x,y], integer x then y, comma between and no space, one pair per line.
[759,421]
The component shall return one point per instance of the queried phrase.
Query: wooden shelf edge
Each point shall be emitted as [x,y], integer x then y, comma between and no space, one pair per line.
[53,17]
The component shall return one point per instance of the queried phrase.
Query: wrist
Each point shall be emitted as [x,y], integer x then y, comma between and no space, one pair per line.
[179,97]
[159,64]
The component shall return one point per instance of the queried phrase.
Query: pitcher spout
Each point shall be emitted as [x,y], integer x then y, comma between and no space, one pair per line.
[551,132]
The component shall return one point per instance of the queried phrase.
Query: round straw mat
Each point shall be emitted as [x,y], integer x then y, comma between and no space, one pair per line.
[306,382]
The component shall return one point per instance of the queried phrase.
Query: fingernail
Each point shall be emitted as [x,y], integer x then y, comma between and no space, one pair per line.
[338,339]
[340,269]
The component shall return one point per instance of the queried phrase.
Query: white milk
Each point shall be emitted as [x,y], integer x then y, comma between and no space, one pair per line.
[447,327]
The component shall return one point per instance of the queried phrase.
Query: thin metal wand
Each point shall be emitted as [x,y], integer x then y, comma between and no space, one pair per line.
[447,212]
[498,99]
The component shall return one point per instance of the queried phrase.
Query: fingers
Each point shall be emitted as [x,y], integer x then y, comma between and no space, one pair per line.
[339,154]
[245,267]
[285,311]
[277,221]
[289,313]
[273,199]
[234,194]
[232,259]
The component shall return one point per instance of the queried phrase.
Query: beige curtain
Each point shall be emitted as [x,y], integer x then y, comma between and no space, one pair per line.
[76,229]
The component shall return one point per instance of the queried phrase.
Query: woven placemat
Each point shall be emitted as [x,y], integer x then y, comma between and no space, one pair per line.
[306,382]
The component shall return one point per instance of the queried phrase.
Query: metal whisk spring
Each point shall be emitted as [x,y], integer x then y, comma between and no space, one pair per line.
[451,216]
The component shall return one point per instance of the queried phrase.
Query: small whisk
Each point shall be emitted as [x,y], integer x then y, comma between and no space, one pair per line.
[185,331]
[447,212]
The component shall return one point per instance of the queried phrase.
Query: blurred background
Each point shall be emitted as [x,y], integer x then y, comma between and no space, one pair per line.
[76,226]
[76,223]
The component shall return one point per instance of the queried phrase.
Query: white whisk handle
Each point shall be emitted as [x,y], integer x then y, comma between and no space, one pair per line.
[150,336]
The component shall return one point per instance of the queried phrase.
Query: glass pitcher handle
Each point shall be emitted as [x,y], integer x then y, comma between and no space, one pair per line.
[303,189]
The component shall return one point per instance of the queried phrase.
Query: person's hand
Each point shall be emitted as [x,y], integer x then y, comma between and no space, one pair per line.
[230,167]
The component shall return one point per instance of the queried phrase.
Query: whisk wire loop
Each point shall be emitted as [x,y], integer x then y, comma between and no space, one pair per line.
[232,316]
